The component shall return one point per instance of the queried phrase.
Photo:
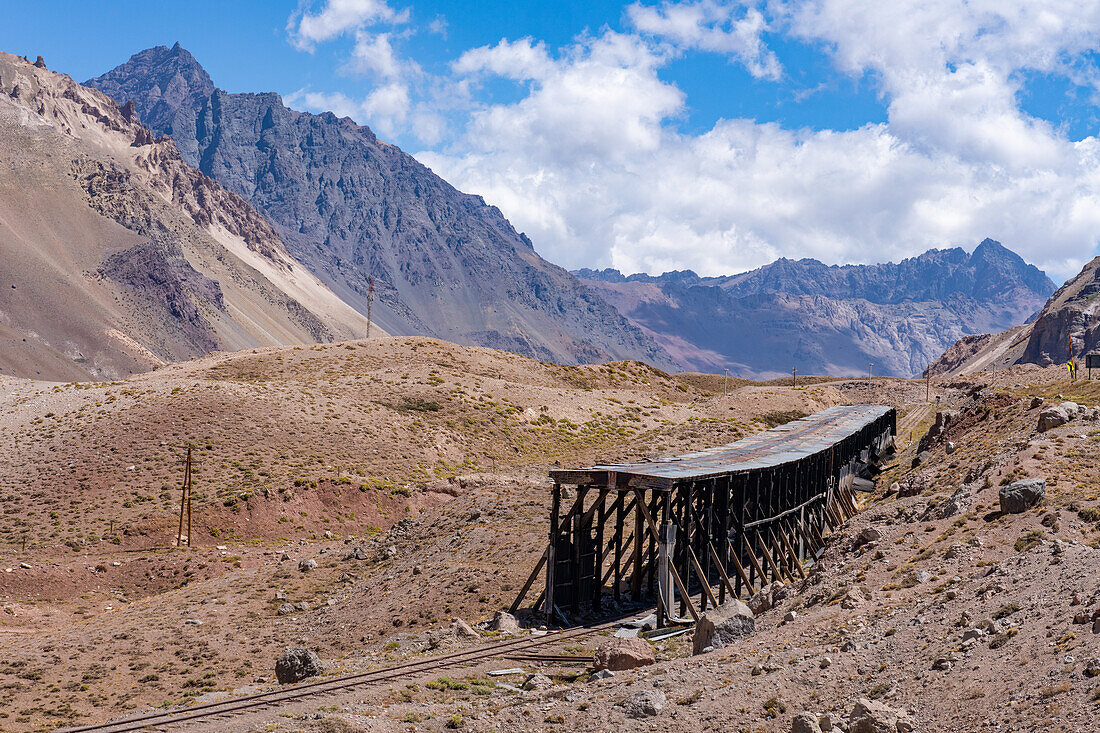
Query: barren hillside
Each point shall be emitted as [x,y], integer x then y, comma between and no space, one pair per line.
[119,257]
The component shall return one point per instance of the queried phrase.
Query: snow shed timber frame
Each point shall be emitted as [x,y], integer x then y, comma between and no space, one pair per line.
[732,518]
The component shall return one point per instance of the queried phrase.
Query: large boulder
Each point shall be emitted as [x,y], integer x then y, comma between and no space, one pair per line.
[765,598]
[1019,496]
[644,704]
[871,716]
[805,723]
[618,654]
[722,626]
[295,665]
[1056,415]
[505,623]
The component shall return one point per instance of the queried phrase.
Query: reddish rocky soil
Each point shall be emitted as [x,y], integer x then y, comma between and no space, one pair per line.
[432,458]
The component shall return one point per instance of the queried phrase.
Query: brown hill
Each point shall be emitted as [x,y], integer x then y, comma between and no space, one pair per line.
[1068,322]
[118,257]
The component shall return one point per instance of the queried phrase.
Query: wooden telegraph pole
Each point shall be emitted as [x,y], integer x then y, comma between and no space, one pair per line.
[185,502]
[869,373]
[794,376]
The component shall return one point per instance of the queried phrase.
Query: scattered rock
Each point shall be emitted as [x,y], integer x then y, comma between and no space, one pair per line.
[619,655]
[1036,402]
[1056,416]
[537,682]
[600,674]
[301,606]
[825,663]
[193,622]
[854,598]
[868,535]
[723,625]
[825,720]
[279,597]
[388,552]
[359,553]
[1092,668]
[1019,496]
[921,457]
[871,716]
[766,598]
[463,630]
[791,616]
[957,503]
[949,447]
[644,704]
[304,566]
[295,665]
[285,610]
[505,623]
[805,723]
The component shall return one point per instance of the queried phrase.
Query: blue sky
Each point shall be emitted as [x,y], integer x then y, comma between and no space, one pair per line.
[710,134]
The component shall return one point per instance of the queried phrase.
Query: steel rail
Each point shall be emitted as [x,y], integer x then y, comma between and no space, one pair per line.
[323,687]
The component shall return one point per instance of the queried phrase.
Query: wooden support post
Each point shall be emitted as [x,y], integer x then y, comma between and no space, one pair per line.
[740,572]
[618,547]
[576,573]
[672,567]
[639,538]
[794,555]
[601,516]
[777,574]
[708,592]
[552,552]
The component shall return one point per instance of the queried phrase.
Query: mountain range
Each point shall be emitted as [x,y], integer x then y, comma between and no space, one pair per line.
[822,319]
[351,207]
[149,217]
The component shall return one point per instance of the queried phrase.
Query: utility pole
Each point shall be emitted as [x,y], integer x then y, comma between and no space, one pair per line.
[185,502]
[794,376]
[928,386]
[726,384]
[871,364]
[1069,334]
[370,301]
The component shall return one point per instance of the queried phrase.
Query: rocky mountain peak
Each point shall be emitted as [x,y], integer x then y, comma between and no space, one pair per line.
[161,82]
[356,212]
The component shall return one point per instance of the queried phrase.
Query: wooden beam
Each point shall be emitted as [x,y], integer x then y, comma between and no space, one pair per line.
[790,550]
[671,566]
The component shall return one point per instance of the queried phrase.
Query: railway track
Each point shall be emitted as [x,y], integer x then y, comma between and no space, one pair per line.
[515,649]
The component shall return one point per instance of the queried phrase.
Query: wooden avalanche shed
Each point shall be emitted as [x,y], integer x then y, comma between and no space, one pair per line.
[723,521]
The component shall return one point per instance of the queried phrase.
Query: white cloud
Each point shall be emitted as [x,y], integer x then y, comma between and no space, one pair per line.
[373,54]
[731,28]
[591,163]
[387,107]
[337,103]
[337,17]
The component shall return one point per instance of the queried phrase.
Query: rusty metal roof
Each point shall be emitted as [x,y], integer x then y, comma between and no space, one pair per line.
[783,444]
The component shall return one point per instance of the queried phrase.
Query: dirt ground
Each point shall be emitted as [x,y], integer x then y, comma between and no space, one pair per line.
[432,459]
